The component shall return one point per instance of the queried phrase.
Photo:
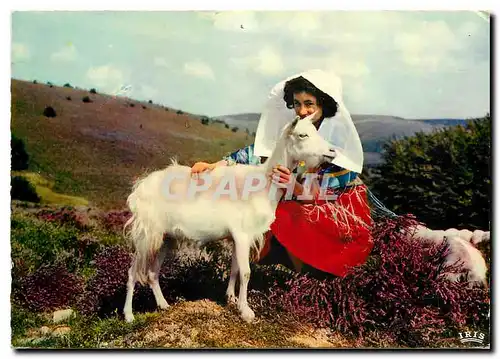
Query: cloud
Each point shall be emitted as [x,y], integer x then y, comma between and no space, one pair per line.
[292,23]
[161,62]
[232,20]
[199,69]
[20,52]
[149,92]
[107,78]
[418,51]
[267,61]
[66,54]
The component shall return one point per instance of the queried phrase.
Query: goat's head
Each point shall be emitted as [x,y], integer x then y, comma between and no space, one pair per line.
[304,143]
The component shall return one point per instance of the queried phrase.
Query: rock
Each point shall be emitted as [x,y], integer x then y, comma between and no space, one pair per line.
[62,315]
[60,331]
[44,330]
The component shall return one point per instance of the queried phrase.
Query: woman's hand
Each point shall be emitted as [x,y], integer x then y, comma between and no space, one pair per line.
[200,167]
[281,175]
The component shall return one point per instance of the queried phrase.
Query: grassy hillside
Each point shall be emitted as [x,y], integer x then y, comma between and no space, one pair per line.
[94,150]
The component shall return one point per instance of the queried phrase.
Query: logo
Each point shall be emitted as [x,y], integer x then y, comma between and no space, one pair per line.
[468,337]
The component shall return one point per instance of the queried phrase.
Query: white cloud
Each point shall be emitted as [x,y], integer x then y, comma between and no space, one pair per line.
[161,62]
[149,92]
[292,23]
[199,69]
[66,54]
[232,20]
[20,52]
[106,78]
[429,47]
[267,61]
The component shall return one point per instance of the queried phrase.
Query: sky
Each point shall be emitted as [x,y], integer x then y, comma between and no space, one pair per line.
[412,64]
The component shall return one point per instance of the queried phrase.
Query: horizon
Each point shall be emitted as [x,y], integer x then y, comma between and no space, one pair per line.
[441,57]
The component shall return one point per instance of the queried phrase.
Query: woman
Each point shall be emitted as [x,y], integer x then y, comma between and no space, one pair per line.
[329,236]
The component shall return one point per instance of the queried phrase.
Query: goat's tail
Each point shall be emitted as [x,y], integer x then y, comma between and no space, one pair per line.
[143,234]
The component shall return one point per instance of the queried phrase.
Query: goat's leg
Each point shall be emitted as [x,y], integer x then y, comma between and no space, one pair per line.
[242,249]
[154,276]
[127,310]
[230,295]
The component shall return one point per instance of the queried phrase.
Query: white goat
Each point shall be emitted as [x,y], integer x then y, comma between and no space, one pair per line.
[202,218]
[462,250]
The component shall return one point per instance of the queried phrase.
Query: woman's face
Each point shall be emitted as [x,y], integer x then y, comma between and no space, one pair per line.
[306,104]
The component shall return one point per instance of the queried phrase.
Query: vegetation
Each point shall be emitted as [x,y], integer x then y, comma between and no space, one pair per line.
[443,177]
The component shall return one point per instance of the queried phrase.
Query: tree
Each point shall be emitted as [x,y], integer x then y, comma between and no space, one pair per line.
[20,157]
[444,177]
[49,111]
[21,189]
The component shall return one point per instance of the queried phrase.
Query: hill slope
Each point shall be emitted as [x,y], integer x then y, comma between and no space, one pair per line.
[95,150]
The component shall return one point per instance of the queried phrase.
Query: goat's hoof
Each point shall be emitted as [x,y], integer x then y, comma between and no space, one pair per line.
[247,314]
[129,317]
[231,299]
[163,305]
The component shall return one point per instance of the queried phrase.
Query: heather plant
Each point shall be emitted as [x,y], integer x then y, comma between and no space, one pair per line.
[65,216]
[50,287]
[35,243]
[115,220]
[400,291]
[105,290]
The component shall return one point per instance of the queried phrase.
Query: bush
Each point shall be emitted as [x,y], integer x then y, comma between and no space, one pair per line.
[23,190]
[35,243]
[132,105]
[67,85]
[115,220]
[144,107]
[86,99]
[400,292]
[179,112]
[48,288]
[444,177]
[20,157]
[35,82]
[226,125]
[150,101]
[68,98]
[49,112]
[92,90]
[106,290]
[234,129]
[205,120]
[64,216]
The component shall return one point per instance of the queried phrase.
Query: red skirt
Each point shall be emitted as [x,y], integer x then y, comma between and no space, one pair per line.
[330,237]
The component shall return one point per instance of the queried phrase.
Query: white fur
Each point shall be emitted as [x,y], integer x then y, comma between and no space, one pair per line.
[461,250]
[202,219]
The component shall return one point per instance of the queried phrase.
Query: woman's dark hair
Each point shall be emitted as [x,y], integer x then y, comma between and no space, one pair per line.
[300,84]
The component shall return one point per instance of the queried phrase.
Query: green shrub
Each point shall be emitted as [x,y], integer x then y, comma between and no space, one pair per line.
[21,189]
[20,157]
[444,177]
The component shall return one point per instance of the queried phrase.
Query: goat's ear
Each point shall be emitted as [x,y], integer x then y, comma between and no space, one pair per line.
[294,123]
[310,117]
[290,127]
